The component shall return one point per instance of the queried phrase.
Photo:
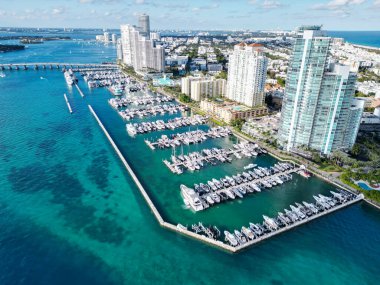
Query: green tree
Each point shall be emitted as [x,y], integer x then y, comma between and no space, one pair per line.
[238,123]
[281,81]
[221,75]
[355,150]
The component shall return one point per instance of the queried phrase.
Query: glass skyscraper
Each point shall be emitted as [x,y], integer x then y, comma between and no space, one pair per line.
[318,109]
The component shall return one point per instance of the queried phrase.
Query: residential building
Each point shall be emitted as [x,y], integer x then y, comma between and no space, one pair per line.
[114,38]
[214,67]
[212,87]
[247,74]
[144,25]
[228,111]
[106,37]
[139,51]
[155,36]
[177,60]
[318,109]
[186,84]
[119,50]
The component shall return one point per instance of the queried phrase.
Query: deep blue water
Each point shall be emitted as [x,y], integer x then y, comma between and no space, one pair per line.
[367,38]
[70,214]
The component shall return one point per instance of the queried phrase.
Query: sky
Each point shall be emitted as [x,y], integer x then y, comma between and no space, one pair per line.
[345,15]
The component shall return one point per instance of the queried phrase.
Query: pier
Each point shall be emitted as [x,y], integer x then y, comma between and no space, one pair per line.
[129,114]
[195,160]
[80,91]
[356,199]
[187,138]
[256,183]
[171,124]
[67,103]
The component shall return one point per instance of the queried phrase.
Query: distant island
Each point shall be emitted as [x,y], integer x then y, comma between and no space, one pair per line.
[34,39]
[8,48]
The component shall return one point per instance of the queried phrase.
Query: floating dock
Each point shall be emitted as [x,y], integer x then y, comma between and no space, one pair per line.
[67,103]
[255,181]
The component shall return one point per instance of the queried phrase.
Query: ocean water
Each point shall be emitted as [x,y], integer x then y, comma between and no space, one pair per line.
[366,38]
[70,213]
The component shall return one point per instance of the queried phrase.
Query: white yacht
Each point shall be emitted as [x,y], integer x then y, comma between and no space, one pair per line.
[270,223]
[231,238]
[248,233]
[250,166]
[191,197]
[131,130]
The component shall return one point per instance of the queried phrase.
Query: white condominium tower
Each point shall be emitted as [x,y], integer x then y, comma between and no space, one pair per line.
[139,51]
[246,74]
[318,109]
[144,25]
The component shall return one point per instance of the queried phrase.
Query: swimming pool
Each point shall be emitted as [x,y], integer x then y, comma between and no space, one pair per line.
[364,186]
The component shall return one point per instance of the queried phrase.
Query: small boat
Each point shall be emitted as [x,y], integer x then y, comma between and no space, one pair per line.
[248,233]
[250,166]
[231,238]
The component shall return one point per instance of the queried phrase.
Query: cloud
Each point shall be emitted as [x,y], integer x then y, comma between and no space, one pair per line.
[101,1]
[339,8]
[269,4]
[58,11]
[266,4]
[205,7]
[376,4]
[337,4]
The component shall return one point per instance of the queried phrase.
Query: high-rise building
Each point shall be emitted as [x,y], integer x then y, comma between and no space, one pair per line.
[246,74]
[155,36]
[139,51]
[114,38]
[106,37]
[207,88]
[199,88]
[318,110]
[119,50]
[144,25]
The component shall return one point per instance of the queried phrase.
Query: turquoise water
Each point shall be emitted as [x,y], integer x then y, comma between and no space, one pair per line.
[70,214]
[367,38]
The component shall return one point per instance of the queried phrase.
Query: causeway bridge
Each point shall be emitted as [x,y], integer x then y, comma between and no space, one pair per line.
[54,65]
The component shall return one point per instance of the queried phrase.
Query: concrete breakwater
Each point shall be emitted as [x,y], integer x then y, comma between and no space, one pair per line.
[68,104]
[80,91]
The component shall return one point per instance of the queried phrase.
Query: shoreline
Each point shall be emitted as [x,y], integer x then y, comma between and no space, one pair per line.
[365,47]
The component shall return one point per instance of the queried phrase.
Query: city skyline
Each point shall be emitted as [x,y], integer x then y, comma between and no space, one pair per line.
[193,15]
